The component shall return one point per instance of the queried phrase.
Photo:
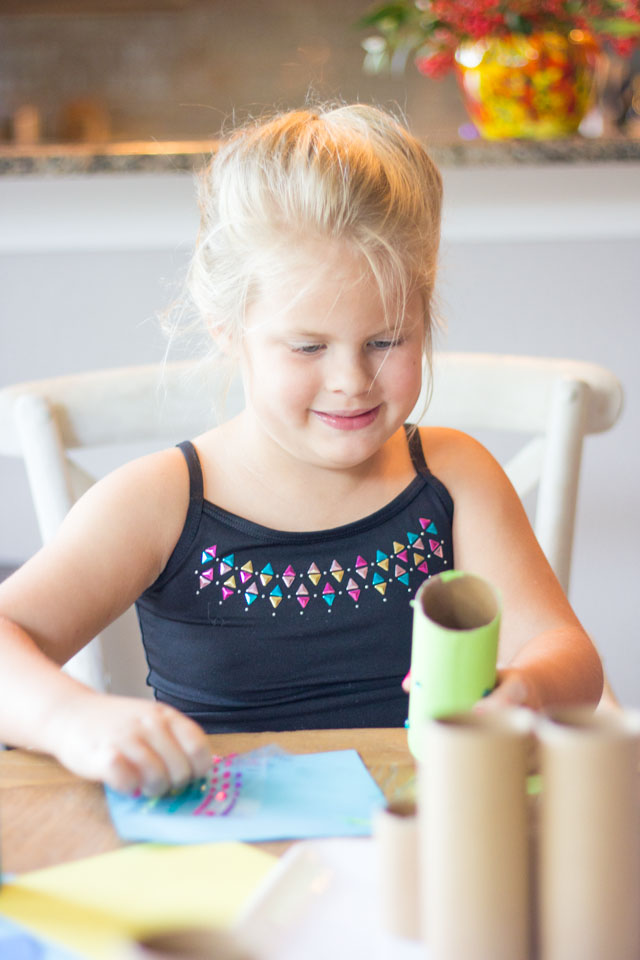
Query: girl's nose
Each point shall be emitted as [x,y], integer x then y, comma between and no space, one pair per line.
[348,374]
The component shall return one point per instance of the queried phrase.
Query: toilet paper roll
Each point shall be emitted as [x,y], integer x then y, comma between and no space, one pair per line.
[456,622]
[589,851]
[395,830]
[187,944]
[474,836]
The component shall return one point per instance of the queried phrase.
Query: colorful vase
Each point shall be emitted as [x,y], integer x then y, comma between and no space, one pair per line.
[537,86]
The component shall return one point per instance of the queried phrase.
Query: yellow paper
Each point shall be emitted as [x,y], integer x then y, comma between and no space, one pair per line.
[91,905]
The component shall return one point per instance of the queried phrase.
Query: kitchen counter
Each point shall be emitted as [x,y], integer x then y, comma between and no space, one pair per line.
[69,159]
[140,195]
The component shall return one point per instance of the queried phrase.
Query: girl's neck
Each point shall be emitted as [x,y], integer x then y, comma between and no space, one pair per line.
[262,483]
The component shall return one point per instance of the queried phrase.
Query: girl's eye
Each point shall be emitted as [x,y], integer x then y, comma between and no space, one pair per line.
[308,349]
[385,344]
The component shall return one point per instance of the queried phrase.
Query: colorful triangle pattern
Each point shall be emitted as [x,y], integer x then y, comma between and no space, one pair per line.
[393,566]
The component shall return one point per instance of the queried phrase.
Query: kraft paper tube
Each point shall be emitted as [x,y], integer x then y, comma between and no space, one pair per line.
[589,869]
[456,623]
[188,944]
[395,830]
[474,836]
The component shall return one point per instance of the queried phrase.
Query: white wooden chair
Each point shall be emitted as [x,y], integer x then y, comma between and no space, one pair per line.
[552,403]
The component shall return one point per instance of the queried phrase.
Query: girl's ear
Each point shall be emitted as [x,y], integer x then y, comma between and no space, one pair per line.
[224,338]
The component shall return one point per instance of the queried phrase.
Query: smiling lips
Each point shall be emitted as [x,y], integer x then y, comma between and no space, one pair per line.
[348,419]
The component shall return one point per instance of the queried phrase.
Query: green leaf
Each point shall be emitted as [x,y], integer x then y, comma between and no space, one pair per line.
[617,27]
[516,23]
[394,13]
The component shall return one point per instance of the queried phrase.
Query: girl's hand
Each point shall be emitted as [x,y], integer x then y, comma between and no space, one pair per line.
[132,745]
[513,689]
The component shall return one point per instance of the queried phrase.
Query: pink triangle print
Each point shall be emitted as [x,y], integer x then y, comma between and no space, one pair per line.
[436,548]
[353,589]
[399,571]
[303,601]
[224,568]
[423,568]
[226,592]
[289,575]
[424,523]
[244,576]
[403,556]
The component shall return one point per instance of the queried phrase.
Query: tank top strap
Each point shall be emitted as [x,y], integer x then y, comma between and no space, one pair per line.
[415,450]
[414,441]
[196,484]
[194,514]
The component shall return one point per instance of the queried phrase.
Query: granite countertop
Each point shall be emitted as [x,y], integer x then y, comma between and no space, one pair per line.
[68,159]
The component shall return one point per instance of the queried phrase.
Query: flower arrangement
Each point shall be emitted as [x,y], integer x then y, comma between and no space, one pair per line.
[432,30]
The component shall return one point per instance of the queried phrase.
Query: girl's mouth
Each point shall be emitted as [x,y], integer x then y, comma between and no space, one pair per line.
[348,419]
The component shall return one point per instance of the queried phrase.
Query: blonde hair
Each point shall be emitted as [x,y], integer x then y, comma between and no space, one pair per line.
[348,173]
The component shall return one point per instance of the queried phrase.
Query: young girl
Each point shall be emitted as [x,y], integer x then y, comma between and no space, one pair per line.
[274,557]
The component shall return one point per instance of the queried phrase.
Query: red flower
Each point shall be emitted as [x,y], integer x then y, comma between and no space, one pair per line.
[432,29]
[623,46]
[435,66]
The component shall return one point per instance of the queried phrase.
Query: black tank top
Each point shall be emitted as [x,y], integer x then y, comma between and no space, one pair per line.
[250,628]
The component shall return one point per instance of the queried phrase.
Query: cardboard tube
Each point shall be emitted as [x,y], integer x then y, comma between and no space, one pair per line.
[189,944]
[395,830]
[456,623]
[589,853]
[474,836]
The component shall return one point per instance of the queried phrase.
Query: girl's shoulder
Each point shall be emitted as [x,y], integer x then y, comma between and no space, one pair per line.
[460,461]
[115,542]
[145,501]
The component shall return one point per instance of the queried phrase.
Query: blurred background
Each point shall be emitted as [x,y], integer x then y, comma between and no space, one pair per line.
[540,250]
[179,69]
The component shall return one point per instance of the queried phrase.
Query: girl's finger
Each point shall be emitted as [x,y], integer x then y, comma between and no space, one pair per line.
[154,777]
[163,740]
[121,774]
[193,741]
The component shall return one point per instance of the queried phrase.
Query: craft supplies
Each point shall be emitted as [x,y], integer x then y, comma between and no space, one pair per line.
[265,794]
[589,843]
[473,836]
[456,622]
[395,830]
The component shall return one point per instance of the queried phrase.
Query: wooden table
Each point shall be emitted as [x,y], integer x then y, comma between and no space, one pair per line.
[49,816]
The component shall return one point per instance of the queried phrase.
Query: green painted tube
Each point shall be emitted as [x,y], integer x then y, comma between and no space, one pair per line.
[456,625]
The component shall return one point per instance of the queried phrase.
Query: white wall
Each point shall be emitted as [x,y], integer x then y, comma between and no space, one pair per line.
[76,306]
[582,300]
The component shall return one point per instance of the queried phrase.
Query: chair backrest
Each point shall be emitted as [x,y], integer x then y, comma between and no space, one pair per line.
[552,403]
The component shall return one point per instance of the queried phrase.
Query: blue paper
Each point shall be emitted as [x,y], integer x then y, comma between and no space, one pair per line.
[16,943]
[262,795]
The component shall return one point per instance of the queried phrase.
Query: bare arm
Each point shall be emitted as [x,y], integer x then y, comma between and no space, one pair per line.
[546,658]
[113,544]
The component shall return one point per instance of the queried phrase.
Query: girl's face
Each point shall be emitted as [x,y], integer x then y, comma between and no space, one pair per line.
[325,378]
